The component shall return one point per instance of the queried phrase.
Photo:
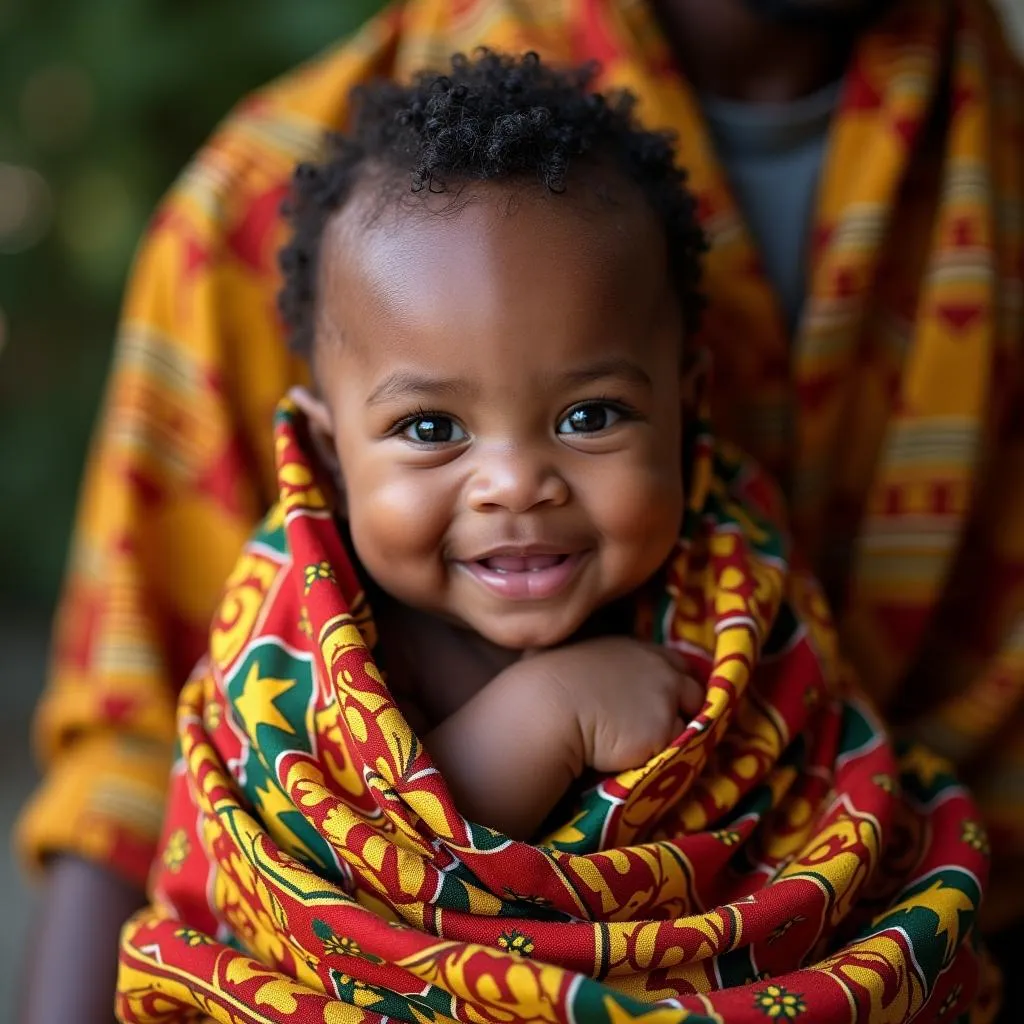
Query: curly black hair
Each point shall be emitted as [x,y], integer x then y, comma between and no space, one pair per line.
[492,117]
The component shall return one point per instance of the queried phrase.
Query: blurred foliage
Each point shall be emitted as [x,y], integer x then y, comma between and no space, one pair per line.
[101,104]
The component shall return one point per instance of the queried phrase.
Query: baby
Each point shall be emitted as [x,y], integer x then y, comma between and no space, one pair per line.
[448,758]
[503,368]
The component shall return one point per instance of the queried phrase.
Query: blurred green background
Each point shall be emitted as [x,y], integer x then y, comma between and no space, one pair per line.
[101,104]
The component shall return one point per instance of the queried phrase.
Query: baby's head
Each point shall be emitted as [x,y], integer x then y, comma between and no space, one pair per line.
[494,279]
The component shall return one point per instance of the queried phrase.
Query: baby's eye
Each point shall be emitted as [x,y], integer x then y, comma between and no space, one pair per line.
[589,418]
[433,430]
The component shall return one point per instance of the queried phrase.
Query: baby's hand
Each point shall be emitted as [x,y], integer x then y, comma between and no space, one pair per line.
[510,753]
[629,699]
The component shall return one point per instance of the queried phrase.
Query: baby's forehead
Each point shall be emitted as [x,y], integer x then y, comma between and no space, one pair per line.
[504,239]
[504,286]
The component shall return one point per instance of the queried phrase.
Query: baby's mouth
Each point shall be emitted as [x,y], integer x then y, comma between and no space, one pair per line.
[527,577]
[521,563]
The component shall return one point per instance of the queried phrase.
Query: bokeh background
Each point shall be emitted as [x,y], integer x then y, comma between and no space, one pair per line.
[101,103]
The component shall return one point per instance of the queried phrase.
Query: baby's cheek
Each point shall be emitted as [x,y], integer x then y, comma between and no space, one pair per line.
[643,510]
[397,522]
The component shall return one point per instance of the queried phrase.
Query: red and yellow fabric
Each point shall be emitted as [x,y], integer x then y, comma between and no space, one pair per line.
[780,860]
[893,418]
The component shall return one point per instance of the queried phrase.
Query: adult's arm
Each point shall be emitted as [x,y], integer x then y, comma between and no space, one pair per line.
[72,963]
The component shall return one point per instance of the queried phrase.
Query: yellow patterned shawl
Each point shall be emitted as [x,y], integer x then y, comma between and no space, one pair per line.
[893,418]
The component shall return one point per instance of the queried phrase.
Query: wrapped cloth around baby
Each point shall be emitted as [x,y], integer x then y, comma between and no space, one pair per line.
[782,859]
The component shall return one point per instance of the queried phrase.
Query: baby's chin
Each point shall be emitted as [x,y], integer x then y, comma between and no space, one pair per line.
[527,635]
[520,628]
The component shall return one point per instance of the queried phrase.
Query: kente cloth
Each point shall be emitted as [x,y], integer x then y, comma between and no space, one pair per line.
[782,859]
[892,419]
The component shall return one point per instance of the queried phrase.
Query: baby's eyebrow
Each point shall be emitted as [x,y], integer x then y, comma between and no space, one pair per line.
[404,384]
[617,366]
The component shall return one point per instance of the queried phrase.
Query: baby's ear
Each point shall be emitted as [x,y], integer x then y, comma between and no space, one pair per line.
[321,435]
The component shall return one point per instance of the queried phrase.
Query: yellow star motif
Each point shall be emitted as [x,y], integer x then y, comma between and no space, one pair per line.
[947,903]
[255,704]
[657,1015]
[569,833]
[927,765]
[274,804]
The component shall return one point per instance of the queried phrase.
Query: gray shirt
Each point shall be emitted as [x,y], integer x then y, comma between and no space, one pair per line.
[772,155]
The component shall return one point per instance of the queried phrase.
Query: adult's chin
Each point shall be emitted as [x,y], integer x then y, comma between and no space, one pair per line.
[833,15]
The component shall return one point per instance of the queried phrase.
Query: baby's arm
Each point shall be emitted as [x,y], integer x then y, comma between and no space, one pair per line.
[511,752]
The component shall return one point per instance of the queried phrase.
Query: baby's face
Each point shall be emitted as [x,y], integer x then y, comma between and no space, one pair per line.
[502,388]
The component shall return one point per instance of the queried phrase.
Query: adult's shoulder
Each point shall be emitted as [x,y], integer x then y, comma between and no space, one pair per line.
[242,171]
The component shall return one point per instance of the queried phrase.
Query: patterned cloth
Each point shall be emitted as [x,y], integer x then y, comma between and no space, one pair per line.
[893,419]
[315,868]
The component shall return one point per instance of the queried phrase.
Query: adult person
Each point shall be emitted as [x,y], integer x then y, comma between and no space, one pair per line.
[858,170]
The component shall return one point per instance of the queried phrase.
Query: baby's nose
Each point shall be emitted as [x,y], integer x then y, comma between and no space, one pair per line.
[514,480]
